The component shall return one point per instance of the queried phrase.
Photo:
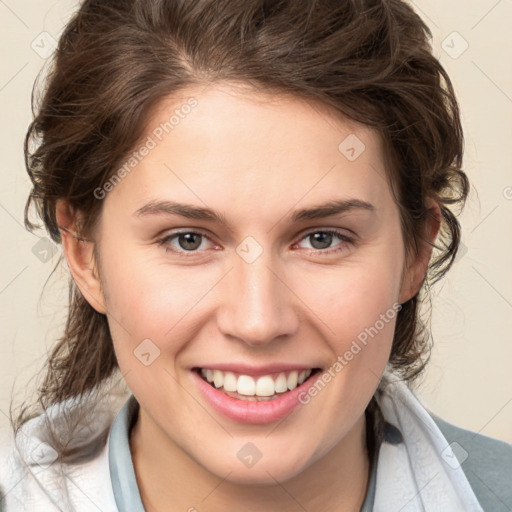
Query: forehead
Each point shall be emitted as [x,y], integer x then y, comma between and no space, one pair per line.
[229,143]
[229,113]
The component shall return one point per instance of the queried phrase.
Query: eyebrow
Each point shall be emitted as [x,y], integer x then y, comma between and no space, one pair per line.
[334,207]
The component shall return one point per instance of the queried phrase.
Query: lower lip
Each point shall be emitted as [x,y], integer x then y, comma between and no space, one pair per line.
[245,411]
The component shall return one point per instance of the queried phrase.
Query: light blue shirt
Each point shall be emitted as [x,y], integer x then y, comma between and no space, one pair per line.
[122,473]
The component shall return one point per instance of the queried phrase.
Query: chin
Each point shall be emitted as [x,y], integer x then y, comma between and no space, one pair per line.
[262,475]
[262,472]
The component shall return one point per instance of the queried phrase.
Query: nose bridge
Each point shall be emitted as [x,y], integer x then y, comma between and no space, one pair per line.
[258,306]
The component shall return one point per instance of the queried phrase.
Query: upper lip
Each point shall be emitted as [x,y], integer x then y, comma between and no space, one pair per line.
[257,371]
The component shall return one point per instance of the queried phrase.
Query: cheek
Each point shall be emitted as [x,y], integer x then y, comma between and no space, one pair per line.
[146,294]
[150,300]
[357,305]
[353,297]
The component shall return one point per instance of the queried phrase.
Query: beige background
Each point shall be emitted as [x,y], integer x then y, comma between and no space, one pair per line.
[469,381]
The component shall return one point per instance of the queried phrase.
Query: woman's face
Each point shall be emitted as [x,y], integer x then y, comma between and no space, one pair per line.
[254,286]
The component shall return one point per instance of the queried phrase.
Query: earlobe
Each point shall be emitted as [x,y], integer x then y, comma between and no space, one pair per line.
[416,270]
[80,258]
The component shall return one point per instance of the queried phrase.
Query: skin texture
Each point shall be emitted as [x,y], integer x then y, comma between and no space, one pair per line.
[255,160]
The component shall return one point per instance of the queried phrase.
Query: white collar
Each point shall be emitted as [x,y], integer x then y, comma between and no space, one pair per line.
[420,473]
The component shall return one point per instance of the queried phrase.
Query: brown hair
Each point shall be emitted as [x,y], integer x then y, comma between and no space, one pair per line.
[370,60]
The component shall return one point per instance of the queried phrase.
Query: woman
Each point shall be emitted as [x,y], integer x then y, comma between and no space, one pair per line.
[250,196]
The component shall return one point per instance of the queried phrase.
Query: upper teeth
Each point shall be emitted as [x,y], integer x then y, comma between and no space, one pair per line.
[265,385]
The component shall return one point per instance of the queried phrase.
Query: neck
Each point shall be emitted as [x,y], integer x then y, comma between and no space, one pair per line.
[167,475]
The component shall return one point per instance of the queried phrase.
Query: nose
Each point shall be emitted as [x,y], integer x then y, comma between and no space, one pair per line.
[257,304]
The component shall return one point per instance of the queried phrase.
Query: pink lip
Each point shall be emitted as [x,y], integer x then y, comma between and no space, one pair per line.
[244,411]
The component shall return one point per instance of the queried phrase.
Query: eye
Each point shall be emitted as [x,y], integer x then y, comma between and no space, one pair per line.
[322,239]
[186,242]
[191,242]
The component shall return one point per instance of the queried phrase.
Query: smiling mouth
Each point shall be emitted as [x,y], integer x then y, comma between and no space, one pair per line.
[262,388]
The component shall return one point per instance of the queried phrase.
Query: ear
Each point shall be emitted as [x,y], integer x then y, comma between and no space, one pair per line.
[80,257]
[416,270]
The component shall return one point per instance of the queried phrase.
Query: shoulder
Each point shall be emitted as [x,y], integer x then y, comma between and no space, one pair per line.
[13,474]
[58,460]
[486,462]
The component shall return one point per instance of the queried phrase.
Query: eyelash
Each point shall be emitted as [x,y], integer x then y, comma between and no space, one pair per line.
[165,241]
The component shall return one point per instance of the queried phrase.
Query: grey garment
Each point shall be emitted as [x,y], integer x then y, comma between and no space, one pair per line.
[372,487]
[122,473]
[486,462]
